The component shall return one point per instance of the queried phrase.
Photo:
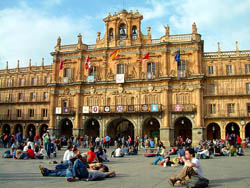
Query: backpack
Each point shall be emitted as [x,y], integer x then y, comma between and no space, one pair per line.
[197,182]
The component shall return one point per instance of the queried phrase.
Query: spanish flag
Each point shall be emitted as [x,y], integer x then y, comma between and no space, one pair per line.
[145,57]
[114,54]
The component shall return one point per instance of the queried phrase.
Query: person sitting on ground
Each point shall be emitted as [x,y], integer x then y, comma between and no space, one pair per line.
[225,151]
[31,153]
[125,149]
[68,154]
[232,151]
[99,154]
[161,157]
[92,155]
[172,151]
[217,150]
[204,154]
[132,151]
[192,167]
[180,155]
[167,162]
[41,154]
[239,151]
[118,152]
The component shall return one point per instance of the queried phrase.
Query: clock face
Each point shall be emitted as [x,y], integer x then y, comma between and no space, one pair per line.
[242,122]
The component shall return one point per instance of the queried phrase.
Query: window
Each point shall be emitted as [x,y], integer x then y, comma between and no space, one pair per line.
[248,107]
[108,101]
[20,96]
[19,113]
[31,112]
[181,67]
[120,68]
[231,108]
[65,103]
[212,108]
[122,30]
[45,95]
[47,80]
[9,82]
[9,97]
[247,68]
[45,112]
[210,70]
[32,96]
[21,82]
[67,73]
[111,34]
[92,71]
[229,69]
[33,81]
[248,88]
[211,88]
[9,113]
[151,67]
[134,32]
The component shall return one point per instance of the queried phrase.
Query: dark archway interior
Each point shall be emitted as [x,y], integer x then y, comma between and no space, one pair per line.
[31,128]
[66,128]
[247,130]
[6,129]
[232,128]
[151,128]
[183,127]
[213,131]
[18,128]
[120,128]
[92,127]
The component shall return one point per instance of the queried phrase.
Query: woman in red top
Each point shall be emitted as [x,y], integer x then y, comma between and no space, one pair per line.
[31,153]
[91,155]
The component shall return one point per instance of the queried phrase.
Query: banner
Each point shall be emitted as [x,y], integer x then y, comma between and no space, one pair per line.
[85,109]
[119,108]
[144,108]
[154,108]
[95,109]
[120,78]
[178,108]
[58,110]
[91,79]
[106,108]
[131,108]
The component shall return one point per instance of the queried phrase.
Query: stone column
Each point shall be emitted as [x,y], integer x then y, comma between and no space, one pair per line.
[78,119]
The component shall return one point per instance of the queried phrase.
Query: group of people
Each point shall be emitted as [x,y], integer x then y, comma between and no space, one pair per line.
[76,165]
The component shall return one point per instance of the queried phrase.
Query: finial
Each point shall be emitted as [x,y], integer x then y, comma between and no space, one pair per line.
[59,41]
[6,66]
[167,30]
[194,28]
[237,45]
[42,61]
[29,62]
[17,66]
[79,38]
[218,43]
[98,35]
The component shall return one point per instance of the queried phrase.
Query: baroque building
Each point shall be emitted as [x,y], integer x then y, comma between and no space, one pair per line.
[205,95]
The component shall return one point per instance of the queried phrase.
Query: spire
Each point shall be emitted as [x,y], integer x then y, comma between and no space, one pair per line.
[29,62]
[237,48]
[79,38]
[194,28]
[17,66]
[58,41]
[6,65]
[42,61]
[218,43]
[167,30]
[98,35]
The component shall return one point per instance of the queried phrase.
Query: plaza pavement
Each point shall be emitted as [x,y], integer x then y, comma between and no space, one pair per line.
[132,171]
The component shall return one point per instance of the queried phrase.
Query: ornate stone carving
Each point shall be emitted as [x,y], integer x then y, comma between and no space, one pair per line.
[92,90]
[150,88]
[120,88]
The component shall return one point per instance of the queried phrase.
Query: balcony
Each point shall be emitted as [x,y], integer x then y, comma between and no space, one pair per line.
[117,109]
[23,117]
[41,83]
[235,91]
[224,114]
[14,100]
[182,108]
[70,111]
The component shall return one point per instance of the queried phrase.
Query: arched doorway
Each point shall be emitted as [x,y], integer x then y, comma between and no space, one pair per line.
[31,128]
[247,131]
[120,128]
[213,131]
[43,129]
[66,127]
[232,128]
[6,129]
[183,128]
[92,127]
[151,128]
[18,128]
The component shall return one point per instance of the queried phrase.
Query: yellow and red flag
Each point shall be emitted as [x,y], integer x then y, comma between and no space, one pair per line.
[87,64]
[145,57]
[114,55]
[61,64]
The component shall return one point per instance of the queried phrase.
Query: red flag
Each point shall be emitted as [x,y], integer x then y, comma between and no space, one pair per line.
[61,64]
[114,54]
[87,64]
[145,57]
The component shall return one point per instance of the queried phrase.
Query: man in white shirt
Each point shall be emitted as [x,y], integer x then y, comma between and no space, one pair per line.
[192,168]
[119,152]
[68,154]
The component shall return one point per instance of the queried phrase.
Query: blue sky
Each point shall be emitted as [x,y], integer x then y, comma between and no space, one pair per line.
[29,28]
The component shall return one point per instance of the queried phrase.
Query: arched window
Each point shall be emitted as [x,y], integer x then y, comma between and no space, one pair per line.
[123,32]
[111,34]
[134,32]
[151,67]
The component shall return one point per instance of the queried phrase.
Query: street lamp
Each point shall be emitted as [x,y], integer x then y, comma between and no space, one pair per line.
[93,123]
[213,128]
[232,128]
[182,122]
[151,122]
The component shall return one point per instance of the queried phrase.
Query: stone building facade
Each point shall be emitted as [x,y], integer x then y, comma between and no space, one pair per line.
[204,95]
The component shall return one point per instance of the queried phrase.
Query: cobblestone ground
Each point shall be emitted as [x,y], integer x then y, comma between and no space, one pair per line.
[132,171]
